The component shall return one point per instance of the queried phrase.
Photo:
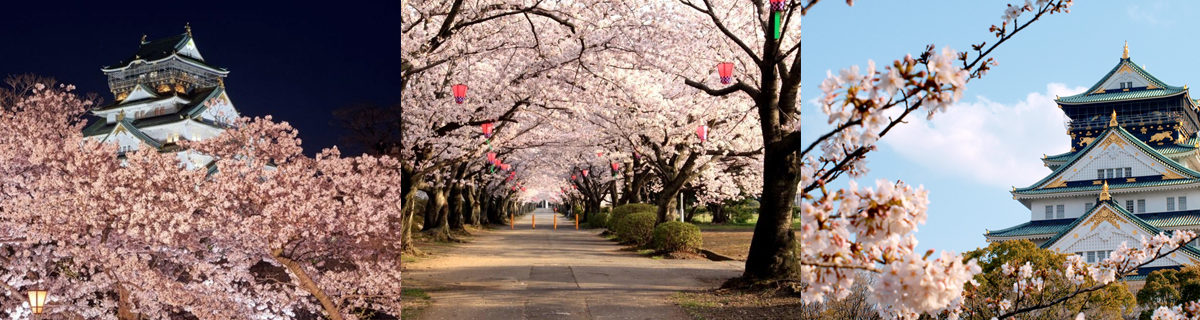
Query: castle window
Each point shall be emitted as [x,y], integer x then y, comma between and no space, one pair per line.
[1091,256]
[1128,172]
[1141,206]
[1182,203]
[1129,205]
[1099,173]
[1109,174]
[1170,203]
[1049,212]
[1059,211]
[1087,207]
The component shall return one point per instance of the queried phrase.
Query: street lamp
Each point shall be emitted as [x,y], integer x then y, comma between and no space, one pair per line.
[37,301]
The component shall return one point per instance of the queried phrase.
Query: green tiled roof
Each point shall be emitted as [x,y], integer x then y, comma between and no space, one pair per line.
[1051,227]
[1122,95]
[1145,226]
[161,48]
[1162,89]
[1122,185]
[1056,226]
[1171,149]
[1194,176]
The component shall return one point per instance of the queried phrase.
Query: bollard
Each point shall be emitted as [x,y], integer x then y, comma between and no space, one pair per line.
[556,222]
[533,221]
[576,221]
[511,222]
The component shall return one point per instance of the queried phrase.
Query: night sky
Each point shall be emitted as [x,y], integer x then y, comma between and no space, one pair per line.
[295,62]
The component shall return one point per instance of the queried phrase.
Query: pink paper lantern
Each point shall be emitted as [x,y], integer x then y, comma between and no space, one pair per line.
[460,93]
[778,5]
[725,70]
[487,129]
[702,133]
[585,172]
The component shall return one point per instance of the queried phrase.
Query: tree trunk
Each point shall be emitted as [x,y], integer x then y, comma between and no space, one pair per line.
[436,222]
[124,306]
[331,309]
[470,206]
[455,210]
[720,216]
[773,250]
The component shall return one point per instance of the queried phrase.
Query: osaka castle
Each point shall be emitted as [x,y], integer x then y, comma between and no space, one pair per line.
[165,92]
[1132,167]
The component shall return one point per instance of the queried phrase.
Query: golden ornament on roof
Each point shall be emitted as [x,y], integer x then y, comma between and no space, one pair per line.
[1104,196]
[1112,122]
[1125,55]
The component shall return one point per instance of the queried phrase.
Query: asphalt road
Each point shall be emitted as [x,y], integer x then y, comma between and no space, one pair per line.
[544,273]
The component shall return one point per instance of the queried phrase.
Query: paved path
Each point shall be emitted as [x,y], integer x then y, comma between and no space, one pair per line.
[557,274]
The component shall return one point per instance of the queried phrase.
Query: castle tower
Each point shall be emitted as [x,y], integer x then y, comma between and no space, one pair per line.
[1130,172]
[165,92]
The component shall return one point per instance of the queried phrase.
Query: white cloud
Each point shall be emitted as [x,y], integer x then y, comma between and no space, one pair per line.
[989,142]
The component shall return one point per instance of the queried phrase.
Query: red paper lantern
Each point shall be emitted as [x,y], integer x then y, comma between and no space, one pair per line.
[615,166]
[487,129]
[460,93]
[585,171]
[522,189]
[514,188]
[491,157]
[725,70]
[505,167]
[702,132]
[573,177]
[778,5]
[599,154]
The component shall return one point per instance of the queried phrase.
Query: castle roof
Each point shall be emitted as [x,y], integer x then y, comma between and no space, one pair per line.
[180,46]
[1103,92]
[1173,174]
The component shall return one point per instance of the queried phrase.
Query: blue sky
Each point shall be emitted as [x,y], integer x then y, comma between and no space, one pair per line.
[971,156]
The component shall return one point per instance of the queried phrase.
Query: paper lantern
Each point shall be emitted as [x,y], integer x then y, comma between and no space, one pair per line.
[487,129]
[702,133]
[778,5]
[573,177]
[505,167]
[491,157]
[514,188]
[616,166]
[37,301]
[460,93]
[725,70]
[522,189]
[585,172]
[599,154]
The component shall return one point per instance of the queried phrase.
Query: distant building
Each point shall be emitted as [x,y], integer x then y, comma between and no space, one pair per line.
[164,93]
[1131,170]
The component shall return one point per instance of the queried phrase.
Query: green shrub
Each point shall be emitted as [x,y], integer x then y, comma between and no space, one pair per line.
[741,214]
[621,211]
[598,220]
[675,236]
[636,228]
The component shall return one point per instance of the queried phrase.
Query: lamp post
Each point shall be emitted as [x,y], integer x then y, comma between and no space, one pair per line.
[37,301]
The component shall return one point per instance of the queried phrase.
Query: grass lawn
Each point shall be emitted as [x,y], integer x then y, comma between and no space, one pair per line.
[727,304]
[413,300]
[731,239]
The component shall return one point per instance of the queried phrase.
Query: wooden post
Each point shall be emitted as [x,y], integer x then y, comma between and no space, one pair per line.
[511,222]
[555,222]
[533,221]
[576,221]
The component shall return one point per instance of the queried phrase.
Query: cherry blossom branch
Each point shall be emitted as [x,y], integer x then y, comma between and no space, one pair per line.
[724,30]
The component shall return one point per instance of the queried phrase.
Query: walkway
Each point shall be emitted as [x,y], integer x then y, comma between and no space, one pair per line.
[557,274]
